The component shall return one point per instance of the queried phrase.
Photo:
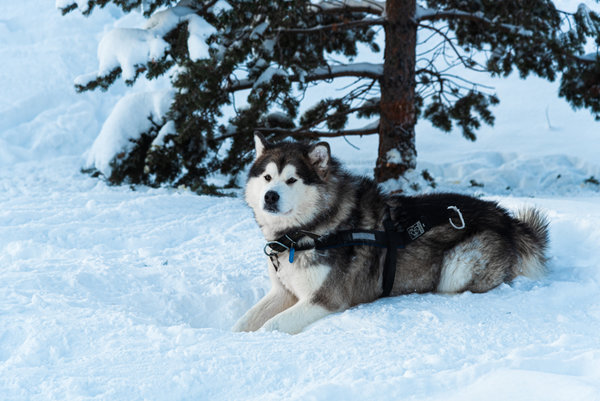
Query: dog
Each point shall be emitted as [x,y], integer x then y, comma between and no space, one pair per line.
[293,187]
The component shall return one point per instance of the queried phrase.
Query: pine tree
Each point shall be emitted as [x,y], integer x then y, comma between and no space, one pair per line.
[276,50]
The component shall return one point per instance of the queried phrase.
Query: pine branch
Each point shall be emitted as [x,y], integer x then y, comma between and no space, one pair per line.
[337,114]
[355,6]
[334,27]
[368,130]
[434,15]
[467,84]
[590,58]
[361,70]
[424,14]
[466,63]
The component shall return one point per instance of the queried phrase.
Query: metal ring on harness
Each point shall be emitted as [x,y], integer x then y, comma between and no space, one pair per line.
[460,216]
[273,252]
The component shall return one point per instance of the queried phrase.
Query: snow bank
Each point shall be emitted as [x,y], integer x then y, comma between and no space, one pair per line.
[131,116]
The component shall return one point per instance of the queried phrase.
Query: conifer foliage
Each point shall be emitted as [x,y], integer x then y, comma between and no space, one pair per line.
[270,52]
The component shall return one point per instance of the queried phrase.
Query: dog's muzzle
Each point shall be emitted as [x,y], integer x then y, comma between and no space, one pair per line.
[271,201]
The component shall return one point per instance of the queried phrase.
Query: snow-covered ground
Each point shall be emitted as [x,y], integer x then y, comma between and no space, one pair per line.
[108,293]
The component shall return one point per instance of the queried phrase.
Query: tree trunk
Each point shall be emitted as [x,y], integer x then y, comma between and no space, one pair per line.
[397,152]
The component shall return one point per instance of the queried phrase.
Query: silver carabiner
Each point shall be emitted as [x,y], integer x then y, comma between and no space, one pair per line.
[273,252]
[460,216]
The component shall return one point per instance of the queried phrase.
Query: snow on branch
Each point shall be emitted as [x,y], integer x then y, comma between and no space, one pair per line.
[131,116]
[360,70]
[425,14]
[367,70]
[268,75]
[67,5]
[337,26]
[590,57]
[362,6]
[372,128]
[583,13]
[129,49]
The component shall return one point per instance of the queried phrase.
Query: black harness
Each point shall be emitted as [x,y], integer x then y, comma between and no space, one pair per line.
[393,237]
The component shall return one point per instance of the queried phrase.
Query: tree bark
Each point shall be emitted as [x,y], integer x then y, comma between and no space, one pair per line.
[397,151]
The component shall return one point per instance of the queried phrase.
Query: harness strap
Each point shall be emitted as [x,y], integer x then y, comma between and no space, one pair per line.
[393,238]
[394,241]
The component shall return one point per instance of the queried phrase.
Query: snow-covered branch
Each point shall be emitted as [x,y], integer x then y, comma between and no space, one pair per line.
[360,70]
[127,120]
[370,129]
[359,6]
[130,49]
[590,57]
[333,27]
[424,14]
[369,107]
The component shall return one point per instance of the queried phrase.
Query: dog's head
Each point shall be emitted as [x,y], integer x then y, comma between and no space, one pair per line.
[285,183]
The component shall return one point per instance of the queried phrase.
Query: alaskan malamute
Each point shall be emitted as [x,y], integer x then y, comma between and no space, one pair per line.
[448,243]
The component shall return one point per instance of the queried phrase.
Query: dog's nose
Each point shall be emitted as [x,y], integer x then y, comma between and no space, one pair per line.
[271,197]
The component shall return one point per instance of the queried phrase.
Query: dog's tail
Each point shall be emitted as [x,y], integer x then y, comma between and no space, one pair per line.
[532,242]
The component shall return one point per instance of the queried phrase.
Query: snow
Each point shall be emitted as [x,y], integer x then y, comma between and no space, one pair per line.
[82,5]
[372,6]
[130,48]
[268,74]
[375,70]
[199,30]
[132,115]
[110,293]
[393,156]
[167,129]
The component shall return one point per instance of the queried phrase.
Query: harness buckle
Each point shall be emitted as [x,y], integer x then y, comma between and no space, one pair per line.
[272,252]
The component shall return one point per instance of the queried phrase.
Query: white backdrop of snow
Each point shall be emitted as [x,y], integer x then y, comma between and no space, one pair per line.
[113,294]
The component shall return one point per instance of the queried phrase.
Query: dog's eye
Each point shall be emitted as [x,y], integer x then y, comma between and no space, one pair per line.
[267,178]
[290,181]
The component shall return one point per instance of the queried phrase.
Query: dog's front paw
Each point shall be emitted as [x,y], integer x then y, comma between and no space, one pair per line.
[282,324]
[243,324]
[296,318]
[239,326]
[271,325]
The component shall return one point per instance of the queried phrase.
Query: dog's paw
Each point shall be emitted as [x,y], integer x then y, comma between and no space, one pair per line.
[237,328]
[241,325]
[281,324]
[271,325]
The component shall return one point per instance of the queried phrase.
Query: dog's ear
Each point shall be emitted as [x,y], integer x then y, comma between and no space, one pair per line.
[260,144]
[319,155]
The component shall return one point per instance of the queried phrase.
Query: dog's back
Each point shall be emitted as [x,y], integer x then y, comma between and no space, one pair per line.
[493,246]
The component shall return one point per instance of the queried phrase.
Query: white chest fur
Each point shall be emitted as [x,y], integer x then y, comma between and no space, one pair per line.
[302,278]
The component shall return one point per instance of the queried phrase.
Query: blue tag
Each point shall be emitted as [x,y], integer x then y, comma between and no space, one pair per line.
[291,255]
